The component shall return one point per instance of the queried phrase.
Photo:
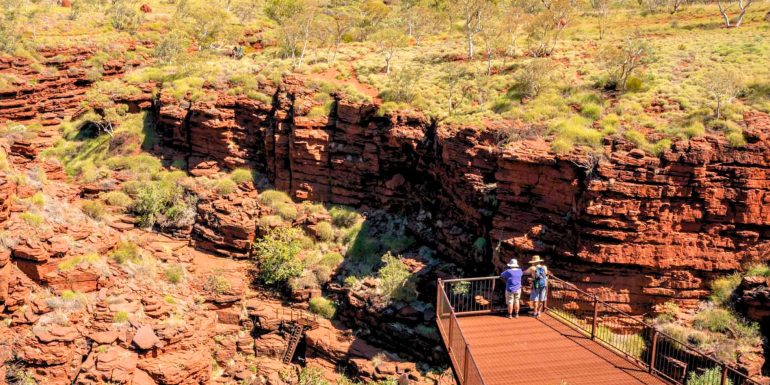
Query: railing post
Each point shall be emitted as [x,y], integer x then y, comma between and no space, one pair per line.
[438,299]
[596,318]
[465,364]
[449,342]
[723,381]
[654,350]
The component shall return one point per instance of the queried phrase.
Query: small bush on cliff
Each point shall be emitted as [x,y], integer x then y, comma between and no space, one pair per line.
[120,317]
[273,197]
[126,251]
[758,270]
[32,219]
[277,256]
[88,259]
[242,175]
[396,282]
[711,376]
[163,202]
[343,216]
[226,186]
[325,231]
[722,289]
[93,209]
[287,211]
[174,273]
[117,198]
[323,307]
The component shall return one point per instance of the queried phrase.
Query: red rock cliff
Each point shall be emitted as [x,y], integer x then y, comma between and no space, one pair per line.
[633,227]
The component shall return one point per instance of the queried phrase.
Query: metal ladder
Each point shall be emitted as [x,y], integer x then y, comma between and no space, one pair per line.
[291,346]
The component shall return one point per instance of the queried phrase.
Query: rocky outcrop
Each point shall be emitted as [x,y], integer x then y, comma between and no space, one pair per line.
[634,228]
[227,224]
[754,299]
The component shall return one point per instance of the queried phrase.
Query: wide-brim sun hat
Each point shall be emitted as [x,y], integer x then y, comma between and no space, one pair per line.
[513,263]
[536,259]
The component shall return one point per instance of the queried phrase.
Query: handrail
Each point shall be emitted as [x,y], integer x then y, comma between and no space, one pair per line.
[468,362]
[626,335]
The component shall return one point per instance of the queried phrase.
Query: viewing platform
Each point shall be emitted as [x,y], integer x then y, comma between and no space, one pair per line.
[579,341]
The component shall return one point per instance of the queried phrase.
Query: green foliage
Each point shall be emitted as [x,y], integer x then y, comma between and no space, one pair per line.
[287,211]
[312,376]
[37,200]
[174,273]
[124,16]
[736,139]
[717,320]
[323,307]
[126,251]
[117,198]
[120,317]
[396,282]
[242,175]
[93,209]
[216,283]
[575,131]
[273,197]
[226,186]
[71,263]
[758,270]
[277,256]
[325,231]
[670,312]
[32,219]
[163,202]
[723,289]
[331,259]
[711,376]
[344,217]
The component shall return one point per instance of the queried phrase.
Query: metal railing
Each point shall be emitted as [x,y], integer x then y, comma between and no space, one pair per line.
[459,349]
[628,336]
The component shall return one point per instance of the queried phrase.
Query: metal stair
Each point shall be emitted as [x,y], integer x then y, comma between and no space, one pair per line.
[291,346]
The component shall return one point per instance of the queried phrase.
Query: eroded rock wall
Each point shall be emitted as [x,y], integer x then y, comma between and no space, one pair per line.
[635,228]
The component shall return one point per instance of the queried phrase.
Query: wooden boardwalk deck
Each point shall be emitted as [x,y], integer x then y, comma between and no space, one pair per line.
[544,352]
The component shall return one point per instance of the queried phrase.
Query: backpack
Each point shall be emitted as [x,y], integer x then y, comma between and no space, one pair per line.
[540,277]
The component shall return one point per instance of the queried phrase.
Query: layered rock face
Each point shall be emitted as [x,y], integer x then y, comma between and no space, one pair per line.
[634,228]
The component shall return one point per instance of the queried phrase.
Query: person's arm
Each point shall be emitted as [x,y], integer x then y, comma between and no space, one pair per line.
[504,275]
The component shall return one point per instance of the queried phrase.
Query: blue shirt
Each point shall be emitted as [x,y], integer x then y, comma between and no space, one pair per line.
[512,279]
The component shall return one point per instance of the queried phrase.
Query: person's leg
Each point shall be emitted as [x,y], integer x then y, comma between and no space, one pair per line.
[517,302]
[509,301]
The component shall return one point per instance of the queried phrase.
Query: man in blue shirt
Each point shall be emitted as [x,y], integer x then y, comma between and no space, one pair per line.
[512,278]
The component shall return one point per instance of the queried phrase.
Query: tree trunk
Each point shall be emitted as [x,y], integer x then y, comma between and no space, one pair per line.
[489,62]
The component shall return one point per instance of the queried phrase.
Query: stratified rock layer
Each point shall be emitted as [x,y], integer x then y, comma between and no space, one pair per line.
[635,228]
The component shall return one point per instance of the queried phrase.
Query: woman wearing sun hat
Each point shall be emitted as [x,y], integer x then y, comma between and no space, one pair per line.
[537,295]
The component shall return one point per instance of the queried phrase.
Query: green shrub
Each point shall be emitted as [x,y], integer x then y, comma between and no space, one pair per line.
[325,231]
[32,219]
[126,252]
[287,211]
[323,307]
[241,175]
[162,200]
[37,200]
[717,320]
[217,284]
[670,312]
[174,273]
[276,256]
[758,270]
[332,259]
[272,197]
[694,130]
[577,131]
[120,317]
[722,289]
[634,84]
[736,139]
[73,262]
[591,111]
[93,209]
[395,280]
[343,216]
[226,186]
[117,198]
[711,376]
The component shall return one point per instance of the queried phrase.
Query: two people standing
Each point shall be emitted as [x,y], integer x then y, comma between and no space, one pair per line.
[538,292]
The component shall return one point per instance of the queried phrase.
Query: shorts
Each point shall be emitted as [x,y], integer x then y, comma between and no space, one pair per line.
[512,297]
[538,294]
